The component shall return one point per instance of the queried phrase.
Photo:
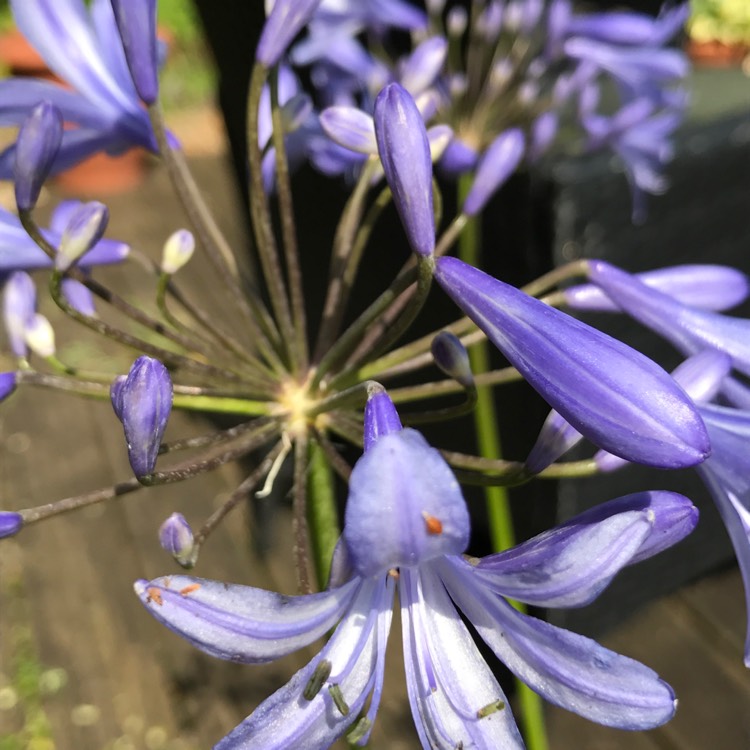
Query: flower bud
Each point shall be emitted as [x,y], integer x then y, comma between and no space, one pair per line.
[136,22]
[381,417]
[178,249]
[78,296]
[84,230]
[8,382]
[37,145]
[285,20]
[143,402]
[10,523]
[40,336]
[405,154]
[497,164]
[451,357]
[19,304]
[349,127]
[176,537]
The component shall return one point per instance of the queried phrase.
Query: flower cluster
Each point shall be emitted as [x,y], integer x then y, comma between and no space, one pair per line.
[479,94]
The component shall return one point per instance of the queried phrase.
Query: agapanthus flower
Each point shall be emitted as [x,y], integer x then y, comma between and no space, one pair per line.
[615,396]
[99,102]
[407,526]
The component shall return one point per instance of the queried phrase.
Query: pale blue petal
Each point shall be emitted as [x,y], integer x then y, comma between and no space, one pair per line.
[242,623]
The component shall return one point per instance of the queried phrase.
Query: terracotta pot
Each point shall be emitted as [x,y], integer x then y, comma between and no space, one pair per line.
[717,54]
[21,58]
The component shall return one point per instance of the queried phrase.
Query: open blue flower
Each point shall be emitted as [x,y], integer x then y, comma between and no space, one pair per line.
[407,525]
[82,47]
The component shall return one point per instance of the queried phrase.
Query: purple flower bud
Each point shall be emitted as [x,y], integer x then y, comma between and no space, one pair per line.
[458,158]
[381,418]
[78,296]
[555,439]
[10,523]
[40,336]
[422,67]
[19,304]
[37,145]
[405,154]
[404,507]
[350,127]
[284,22]
[84,230]
[498,163]
[8,382]
[176,537]
[451,357]
[613,395]
[178,249]
[115,394]
[143,402]
[136,22]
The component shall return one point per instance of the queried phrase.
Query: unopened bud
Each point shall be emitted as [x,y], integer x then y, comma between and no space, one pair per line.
[36,148]
[8,381]
[285,20]
[176,537]
[78,296]
[19,304]
[84,230]
[451,357]
[143,402]
[136,22]
[10,523]
[178,249]
[40,336]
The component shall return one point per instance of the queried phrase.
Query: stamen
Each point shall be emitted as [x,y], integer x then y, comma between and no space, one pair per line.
[393,573]
[490,708]
[275,468]
[434,525]
[320,675]
[359,730]
[338,699]
[189,589]
[154,595]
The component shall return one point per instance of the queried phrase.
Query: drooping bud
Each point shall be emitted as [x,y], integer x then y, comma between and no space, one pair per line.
[19,304]
[10,523]
[78,296]
[143,402]
[8,382]
[405,154]
[350,127]
[37,145]
[178,249]
[613,395]
[136,22]
[381,417]
[451,357]
[498,163]
[555,439]
[39,335]
[84,230]
[285,20]
[176,537]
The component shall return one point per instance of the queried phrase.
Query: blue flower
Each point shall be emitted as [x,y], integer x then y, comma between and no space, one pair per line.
[83,48]
[407,526]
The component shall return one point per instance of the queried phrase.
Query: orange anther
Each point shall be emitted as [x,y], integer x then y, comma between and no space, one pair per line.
[434,525]
[154,595]
[189,589]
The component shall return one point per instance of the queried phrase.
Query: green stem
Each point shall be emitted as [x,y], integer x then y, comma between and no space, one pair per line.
[322,514]
[498,506]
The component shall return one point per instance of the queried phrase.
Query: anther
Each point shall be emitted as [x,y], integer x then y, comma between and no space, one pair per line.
[434,525]
[359,730]
[154,595]
[189,589]
[338,699]
[490,708]
[320,675]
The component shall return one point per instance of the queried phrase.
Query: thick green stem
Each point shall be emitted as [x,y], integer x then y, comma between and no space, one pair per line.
[498,506]
[322,514]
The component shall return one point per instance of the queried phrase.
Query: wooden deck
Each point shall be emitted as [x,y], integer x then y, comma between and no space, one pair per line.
[83,667]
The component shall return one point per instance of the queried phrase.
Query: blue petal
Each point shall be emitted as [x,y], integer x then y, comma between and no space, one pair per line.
[613,395]
[450,685]
[241,623]
[566,669]
[289,720]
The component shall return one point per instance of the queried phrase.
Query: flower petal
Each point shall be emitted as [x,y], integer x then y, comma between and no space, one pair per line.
[566,669]
[242,623]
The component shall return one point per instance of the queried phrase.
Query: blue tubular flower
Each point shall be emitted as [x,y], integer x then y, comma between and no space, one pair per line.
[405,154]
[613,395]
[708,287]
[19,252]
[690,329]
[407,521]
[285,20]
[136,22]
[83,48]
[37,145]
[142,401]
[10,523]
